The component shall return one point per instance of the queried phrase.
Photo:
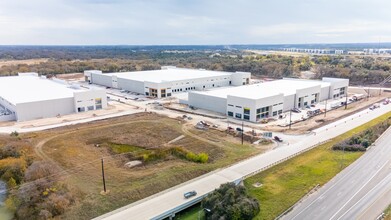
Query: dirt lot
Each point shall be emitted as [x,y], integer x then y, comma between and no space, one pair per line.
[331,116]
[71,76]
[77,150]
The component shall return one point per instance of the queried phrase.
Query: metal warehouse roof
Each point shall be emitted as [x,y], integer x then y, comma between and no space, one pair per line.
[170,74]
[285,86]
[24,89]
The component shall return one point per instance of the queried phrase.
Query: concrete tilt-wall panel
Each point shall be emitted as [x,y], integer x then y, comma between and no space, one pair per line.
[207,102]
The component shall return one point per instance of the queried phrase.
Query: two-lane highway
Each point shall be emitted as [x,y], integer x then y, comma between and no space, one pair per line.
[351,194]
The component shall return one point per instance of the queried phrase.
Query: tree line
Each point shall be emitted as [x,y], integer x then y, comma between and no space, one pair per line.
[359,69]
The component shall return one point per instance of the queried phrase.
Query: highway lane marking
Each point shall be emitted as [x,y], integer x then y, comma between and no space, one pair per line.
[331,187]
[360,189]
[374,202]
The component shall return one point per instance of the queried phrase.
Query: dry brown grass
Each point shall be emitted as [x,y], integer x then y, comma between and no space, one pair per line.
[18,62]
[73,149]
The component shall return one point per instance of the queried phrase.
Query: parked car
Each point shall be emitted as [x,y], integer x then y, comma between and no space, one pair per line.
[239,129]
[190,194]
[277,139]
[296,110]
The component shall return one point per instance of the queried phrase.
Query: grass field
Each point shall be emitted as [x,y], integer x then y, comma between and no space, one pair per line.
[286,183]
[79,150]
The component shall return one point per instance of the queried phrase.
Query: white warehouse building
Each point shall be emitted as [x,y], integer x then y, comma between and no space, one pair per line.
[163,83]
[28,96]
[269,99]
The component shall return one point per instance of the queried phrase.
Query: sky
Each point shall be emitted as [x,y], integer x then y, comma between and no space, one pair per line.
[193,22]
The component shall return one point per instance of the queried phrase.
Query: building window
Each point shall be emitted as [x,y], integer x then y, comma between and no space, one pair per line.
[246,111]
[90,108]
[153,92]
[246,117]
[238,115]
[230,114]
[238,106]
[163,93]
[279,112]
[275,113]
[168,94]
[146,93]
[231,105]
[81,109]
[263,112]
[98,103]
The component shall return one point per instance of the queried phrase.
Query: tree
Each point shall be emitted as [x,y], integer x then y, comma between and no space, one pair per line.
[230,202]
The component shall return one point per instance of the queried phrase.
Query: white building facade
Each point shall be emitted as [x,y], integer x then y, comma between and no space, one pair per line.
[163,83]
[269,99]
[28,97]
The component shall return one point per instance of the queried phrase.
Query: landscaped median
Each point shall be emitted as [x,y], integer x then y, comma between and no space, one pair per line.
[281,186]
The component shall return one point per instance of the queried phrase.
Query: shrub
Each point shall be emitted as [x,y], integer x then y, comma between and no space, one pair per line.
[153,156]
[363,140]
[44,196]
[14,134]
[10,151]
[230,201]
[38,170]
[203,157]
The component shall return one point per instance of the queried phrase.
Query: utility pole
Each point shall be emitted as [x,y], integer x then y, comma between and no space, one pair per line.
[242,133]
[290,119]
[325,108]
[103,176]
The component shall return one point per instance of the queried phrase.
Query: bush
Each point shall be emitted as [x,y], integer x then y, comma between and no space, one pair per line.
[363,140]
[10,151]
[14,134]
[153,156]
[44,196]
[230,201]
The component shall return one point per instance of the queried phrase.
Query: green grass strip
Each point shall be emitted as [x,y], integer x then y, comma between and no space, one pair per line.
[286,183]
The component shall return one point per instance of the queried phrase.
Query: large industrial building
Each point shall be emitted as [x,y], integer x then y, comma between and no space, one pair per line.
[163,83]
[257,101]
[28,96]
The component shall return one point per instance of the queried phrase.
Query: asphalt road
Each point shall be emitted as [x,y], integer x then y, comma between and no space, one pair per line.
[166,201]
[358,192]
